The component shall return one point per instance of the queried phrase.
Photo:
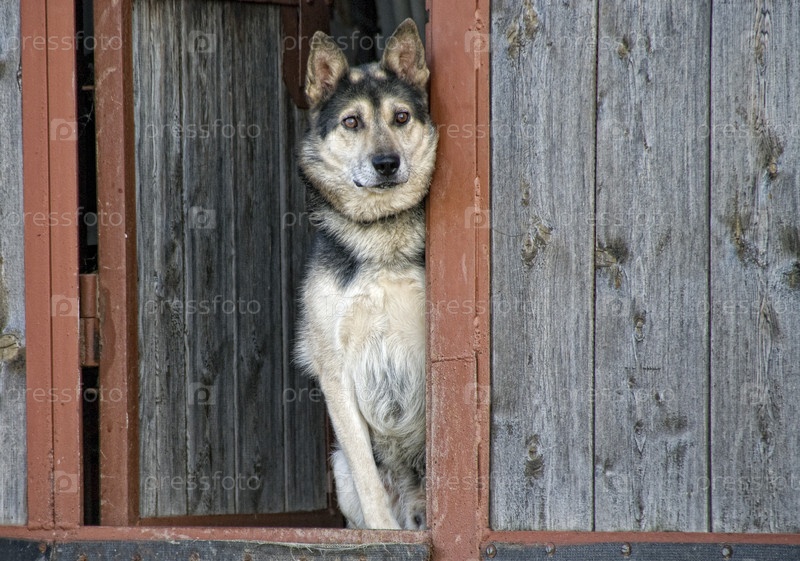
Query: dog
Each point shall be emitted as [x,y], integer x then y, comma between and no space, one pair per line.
[367,159]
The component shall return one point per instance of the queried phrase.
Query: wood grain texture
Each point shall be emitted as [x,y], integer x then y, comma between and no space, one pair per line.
[211,258]
[651,331]
[218,265]
[755,280]
[13,460]
[160,252]
[542,130]
[257,150]
[307,482]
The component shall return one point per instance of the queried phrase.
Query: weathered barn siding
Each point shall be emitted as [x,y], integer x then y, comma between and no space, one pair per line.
[755,275]
[13,507]
[542,204]
[654,384]
[227,424]
[651,345]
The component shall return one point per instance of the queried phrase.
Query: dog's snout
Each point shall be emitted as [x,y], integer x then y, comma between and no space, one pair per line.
[386,164]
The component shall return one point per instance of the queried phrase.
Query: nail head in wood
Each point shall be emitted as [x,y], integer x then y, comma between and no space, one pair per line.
[491,550]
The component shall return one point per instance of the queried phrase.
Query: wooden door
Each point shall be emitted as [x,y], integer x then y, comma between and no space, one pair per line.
[645,371]
[228,425]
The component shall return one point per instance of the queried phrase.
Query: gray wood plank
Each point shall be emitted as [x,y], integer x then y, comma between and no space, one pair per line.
[305,422]
[755,266]
[13,474]
[216,134]
[651,332]
[542,130]
[160,252]
[257,148]
[211,259]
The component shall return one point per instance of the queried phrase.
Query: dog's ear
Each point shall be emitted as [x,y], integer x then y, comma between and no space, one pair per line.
[326,65]
[405,56]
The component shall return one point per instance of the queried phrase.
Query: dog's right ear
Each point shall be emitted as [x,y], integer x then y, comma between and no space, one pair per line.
[326,65]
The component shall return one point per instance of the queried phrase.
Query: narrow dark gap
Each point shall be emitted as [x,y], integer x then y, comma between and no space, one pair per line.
[594,266]
[88,220]
[91,445]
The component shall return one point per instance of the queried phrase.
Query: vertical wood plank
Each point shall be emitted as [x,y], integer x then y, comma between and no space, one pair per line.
[216,135]
[651,333]
[157,55]
[257,146]
[13,475]
[755,280]
[307,483]
[543,83]
[211,259]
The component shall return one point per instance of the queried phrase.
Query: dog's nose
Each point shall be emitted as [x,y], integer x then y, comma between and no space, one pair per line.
[386,164]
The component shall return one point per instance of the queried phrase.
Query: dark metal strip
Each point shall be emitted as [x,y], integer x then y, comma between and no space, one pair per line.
[229,551]
[642,552]
[23,550]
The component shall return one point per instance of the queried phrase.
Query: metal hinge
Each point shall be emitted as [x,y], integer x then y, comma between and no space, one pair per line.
[90,320]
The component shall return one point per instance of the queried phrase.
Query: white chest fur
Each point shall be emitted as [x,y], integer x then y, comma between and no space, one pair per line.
[375,335]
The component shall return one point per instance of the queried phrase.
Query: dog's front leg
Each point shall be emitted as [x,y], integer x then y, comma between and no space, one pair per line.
[352,434]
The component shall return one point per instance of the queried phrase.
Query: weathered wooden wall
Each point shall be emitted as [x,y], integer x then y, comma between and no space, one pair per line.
[228,425]
[13,507]
[755,267]
[646,265]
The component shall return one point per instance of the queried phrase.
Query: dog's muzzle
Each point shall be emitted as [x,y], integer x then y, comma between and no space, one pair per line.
[385,172]
[386,164]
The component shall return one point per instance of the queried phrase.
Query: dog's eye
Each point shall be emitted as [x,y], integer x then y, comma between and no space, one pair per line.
[401,117]
[350,122]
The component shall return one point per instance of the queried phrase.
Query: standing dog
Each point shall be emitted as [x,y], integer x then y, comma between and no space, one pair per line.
[367,158]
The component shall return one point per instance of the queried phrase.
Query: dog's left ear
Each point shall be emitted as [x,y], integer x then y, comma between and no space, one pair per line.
[405,56]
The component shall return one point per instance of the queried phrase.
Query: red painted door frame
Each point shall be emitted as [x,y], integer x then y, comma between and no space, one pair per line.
[50,177]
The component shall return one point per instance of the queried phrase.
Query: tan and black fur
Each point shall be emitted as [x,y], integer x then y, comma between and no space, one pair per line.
[368,157]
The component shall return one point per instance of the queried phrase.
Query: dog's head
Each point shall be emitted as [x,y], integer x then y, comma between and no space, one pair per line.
[371,146]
